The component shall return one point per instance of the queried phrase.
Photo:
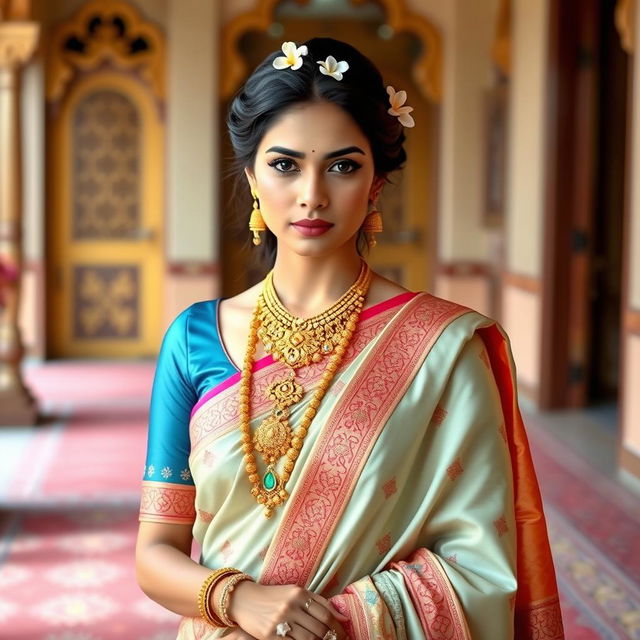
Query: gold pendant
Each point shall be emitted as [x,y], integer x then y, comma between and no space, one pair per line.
[273,437]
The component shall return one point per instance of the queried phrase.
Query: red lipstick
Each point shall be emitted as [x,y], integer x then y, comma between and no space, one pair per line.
[312,228]
[306,222]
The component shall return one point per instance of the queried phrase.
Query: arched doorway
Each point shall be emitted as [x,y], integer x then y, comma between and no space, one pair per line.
[105,138]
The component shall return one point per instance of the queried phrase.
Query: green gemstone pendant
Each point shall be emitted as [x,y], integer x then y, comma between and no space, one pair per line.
[269,480]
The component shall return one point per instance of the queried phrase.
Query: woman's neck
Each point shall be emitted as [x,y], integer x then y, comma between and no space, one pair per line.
[307,285]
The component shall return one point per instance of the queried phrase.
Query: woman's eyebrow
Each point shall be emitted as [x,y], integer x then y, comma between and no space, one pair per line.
[299,154]
[286,152]
[344,152]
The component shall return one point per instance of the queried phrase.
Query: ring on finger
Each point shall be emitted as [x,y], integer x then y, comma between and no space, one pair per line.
[282,628]
[307,604]
[330,635]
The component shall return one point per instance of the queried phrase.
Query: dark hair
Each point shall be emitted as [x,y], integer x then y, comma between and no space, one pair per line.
[269,91]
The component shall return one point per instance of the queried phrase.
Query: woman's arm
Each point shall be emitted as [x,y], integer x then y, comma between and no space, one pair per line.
[164,568]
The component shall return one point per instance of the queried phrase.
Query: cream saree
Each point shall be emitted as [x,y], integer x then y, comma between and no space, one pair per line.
[414,505]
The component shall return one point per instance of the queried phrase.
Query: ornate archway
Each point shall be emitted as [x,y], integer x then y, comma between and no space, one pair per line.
[427,69]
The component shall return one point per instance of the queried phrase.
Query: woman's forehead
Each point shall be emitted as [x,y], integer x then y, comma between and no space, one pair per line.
[314,127]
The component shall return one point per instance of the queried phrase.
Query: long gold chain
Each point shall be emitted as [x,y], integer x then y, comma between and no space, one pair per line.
[274,437]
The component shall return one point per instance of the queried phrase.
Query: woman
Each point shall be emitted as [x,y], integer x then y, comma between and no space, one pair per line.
[364,474]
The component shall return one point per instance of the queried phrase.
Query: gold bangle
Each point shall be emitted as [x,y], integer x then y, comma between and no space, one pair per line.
[223,603]
[205,594]
[211,615]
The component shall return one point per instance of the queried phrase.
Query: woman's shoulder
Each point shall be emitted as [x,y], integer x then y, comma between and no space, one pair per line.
[209,307]
[240,307]
[201,309]
[382,289]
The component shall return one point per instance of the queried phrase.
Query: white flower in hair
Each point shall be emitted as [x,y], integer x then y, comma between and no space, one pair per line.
[331,67]
[397,99]
[292,56]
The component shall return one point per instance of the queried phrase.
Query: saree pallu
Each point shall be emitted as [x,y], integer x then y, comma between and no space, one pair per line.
[414,505]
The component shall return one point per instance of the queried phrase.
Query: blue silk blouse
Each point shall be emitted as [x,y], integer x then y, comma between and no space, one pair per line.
[192,360]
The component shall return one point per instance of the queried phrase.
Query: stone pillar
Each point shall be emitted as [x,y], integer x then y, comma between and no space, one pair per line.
[17,43]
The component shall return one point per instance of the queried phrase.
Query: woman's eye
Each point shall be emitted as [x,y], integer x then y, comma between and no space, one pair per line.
[345,166]
[283,165]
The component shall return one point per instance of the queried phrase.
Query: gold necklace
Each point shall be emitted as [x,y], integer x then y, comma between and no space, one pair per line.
[300,341]
[274,437]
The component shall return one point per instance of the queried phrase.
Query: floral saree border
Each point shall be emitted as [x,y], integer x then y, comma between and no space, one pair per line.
[433,597]
[541,620]
[366,610]
[357,419]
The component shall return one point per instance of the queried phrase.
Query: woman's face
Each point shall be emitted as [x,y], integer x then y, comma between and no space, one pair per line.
[314,164]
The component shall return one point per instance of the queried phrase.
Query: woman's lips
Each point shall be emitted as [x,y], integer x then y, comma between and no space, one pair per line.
[311,228]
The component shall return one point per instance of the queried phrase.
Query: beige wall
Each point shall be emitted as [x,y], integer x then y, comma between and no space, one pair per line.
[521,318]
[192,131]
[193,169]
[33,214]
[32,114]
[631,410]
[467,74]
[525,179]
[471,291]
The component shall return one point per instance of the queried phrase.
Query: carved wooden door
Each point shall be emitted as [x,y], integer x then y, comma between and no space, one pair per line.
[105,191]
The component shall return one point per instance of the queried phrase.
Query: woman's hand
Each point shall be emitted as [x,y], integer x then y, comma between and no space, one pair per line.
[259,609]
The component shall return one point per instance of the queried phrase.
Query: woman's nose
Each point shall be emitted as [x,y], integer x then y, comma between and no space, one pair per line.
[313,193]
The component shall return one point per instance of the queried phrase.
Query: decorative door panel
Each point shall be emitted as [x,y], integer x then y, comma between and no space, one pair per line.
[105,186]
[106,167]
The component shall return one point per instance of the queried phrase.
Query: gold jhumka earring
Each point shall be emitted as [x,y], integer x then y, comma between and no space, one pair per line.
[256,222]
[372,225]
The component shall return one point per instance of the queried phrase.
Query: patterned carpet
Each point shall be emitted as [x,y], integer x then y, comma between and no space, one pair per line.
[69,575]
[68,517]
[594,527]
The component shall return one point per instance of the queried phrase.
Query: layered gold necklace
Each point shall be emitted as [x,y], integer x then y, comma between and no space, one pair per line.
[296,342]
